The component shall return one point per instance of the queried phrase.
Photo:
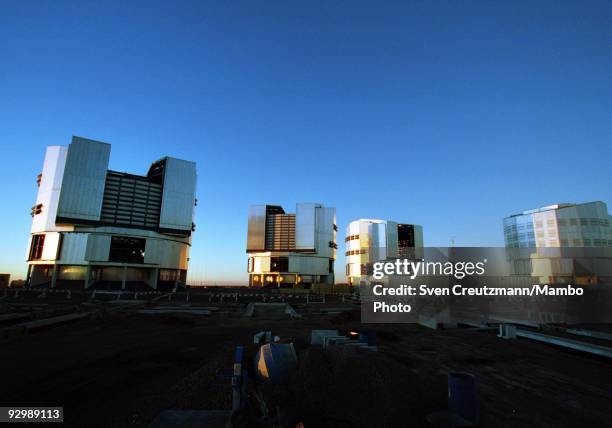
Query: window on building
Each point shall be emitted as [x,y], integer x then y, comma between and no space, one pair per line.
[367,269]
[36,209]
[331,266]
[127,250]
[279,264]
[168,275]
[36,249]
[405,240]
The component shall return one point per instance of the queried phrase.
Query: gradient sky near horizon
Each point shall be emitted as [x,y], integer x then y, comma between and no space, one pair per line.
[448,114]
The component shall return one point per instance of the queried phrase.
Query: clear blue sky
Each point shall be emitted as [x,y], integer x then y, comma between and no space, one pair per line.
[447,114]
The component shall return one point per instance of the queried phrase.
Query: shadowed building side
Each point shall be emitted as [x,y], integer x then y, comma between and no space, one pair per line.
[93,227]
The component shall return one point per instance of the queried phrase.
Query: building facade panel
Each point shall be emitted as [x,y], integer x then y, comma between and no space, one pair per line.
[313,265]
[83,181]
[178,197]
[131,201]
[325,244]
[305,227]
[49,186]
[74,248]
[51,247]
[154,250]
[256,236]
[98,247]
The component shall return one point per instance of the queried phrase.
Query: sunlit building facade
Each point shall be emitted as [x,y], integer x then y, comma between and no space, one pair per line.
[561,243]
[97,228]
[291,249]
[561,225]
[369,241]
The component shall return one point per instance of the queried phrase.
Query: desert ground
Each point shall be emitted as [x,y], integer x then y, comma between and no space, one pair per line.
[121,368]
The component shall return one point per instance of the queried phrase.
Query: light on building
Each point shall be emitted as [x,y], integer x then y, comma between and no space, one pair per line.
[256,278]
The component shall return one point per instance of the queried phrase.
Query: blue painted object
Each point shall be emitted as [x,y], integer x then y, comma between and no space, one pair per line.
[368,337]
[238,399]
[238,354]
[462,396]
[274,362]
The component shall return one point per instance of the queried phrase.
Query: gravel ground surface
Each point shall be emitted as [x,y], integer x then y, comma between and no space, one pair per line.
[123,369]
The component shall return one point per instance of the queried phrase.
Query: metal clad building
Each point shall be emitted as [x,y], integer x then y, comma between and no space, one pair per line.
[560,225]
[93,227]
[291,250]
[561,243]
[369,241]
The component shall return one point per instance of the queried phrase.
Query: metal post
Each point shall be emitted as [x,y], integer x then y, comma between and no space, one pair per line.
[124,278]
[155,278]
[237,378]
[54,277]
[88,277]
[29,276]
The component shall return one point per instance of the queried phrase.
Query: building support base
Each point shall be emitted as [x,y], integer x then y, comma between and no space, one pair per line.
[54,276]
[88,277]
[124,278]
